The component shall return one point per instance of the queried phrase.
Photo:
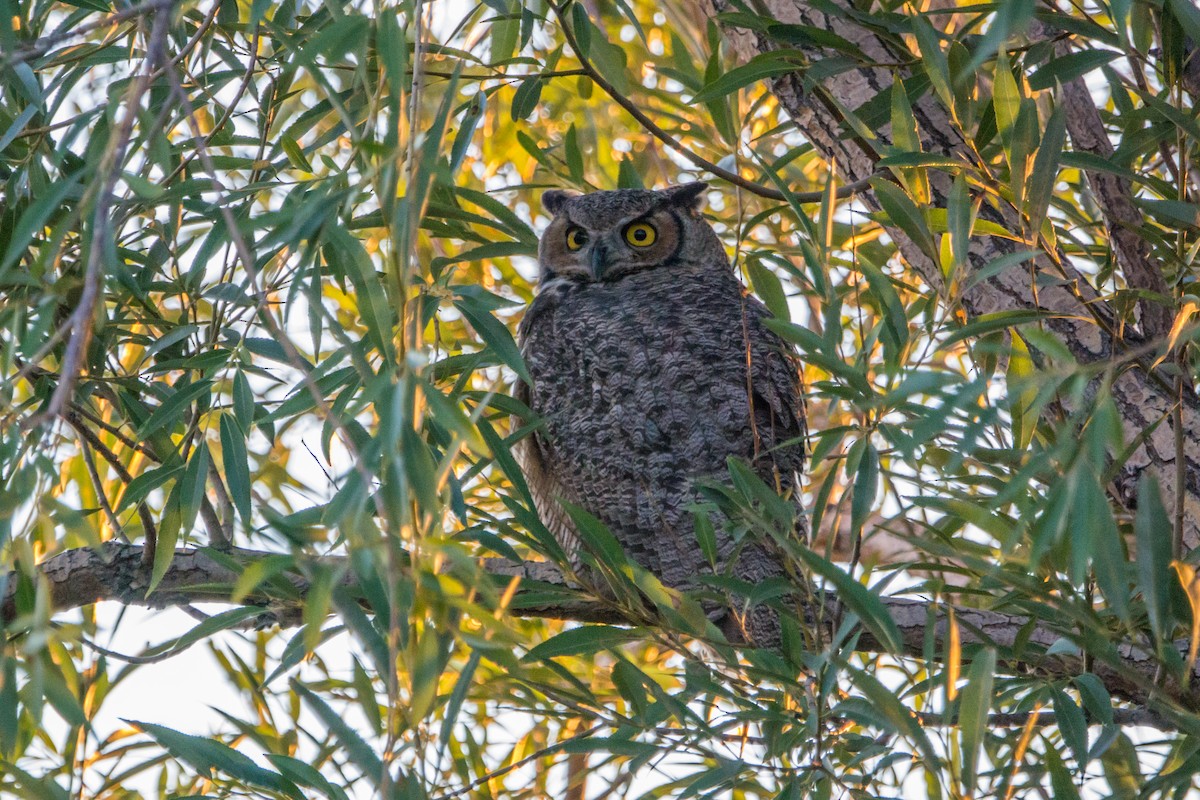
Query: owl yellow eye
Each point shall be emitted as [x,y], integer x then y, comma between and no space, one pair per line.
[576,238]
[641,234]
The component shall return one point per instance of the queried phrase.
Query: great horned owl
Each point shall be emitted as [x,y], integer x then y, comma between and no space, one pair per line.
[651,366]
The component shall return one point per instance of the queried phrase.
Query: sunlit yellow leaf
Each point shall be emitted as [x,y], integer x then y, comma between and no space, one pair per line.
[1191,587]
[953,655]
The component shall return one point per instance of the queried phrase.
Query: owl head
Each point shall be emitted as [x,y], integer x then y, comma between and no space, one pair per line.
[605,236]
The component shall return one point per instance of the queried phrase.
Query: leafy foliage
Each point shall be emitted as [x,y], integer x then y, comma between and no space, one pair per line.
[259,268]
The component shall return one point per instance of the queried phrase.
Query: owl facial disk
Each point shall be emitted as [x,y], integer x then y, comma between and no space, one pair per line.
[606,236]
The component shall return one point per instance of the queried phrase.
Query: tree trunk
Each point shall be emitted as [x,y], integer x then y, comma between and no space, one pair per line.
[1154,410]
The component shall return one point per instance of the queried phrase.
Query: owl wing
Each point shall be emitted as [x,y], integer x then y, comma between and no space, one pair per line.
[533,452]
[777,399]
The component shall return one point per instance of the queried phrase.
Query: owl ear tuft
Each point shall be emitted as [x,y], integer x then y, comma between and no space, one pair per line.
[687,195]
[553,200]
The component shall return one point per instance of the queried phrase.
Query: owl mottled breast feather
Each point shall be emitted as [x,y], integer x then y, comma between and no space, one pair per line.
[650,371]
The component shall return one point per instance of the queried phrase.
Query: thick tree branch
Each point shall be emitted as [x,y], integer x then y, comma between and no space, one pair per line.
[116,572]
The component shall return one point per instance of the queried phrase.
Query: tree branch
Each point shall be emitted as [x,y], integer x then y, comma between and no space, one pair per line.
[658,132]
[1115,197]
[116,572]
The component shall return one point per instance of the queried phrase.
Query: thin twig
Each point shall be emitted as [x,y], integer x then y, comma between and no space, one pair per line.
[89,461]
[87,434]
[1043,719]
[229,108]
[670,141]
[39,48]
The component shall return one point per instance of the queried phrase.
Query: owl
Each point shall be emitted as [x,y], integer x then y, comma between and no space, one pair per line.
[651,367]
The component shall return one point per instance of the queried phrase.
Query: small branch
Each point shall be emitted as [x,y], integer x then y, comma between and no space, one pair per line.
[83,317]
[98,486]
[91,440]
[670,141]
[42,45]
[1121,716]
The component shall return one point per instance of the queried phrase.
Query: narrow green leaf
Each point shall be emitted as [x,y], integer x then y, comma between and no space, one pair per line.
[1006,96]
[1072,725]
[1097,532]
[243,401]
[1122,769]
[221,621]
[767,286]
[1188,16]
[1061,780]
[1023,142]
[583,641]
[903,213]
[998,265]
[172,409]
[866,486]
[304,774]
[193,483]
[933,58]
[206,754]
[595,536]
[989,323]
[1045,169]
[894,333]
[37,217]
[169,523]
[1066,68]
[958,221]
[973,711]
[145,483]
[237,466]
[347,737]
[857,598]
[317,603]
[905,136]
[573,155]
[628,176]
[526,98]
[493,334]
[10,705]
[1096,699]
[1022,391]
[1153,530]
[886,702]
[295,154]
[765,65]
[505,33]
[347,255]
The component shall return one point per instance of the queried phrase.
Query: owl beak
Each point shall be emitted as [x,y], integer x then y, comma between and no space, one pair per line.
[599,260]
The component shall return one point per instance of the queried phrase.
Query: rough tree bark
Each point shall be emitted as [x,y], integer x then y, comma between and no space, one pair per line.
[117,572]
[1148,402]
